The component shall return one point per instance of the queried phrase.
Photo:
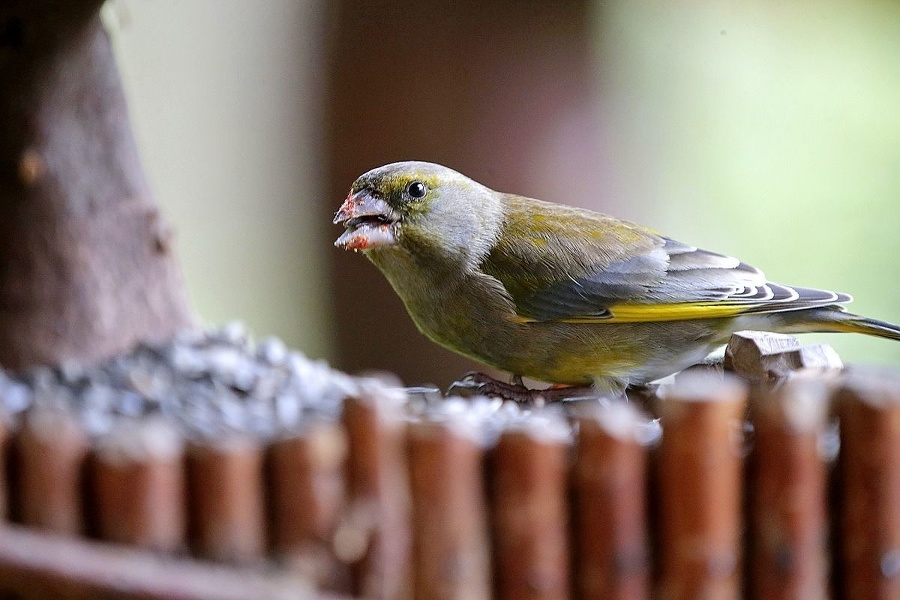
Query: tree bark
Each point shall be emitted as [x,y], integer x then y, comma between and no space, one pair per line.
[86,266]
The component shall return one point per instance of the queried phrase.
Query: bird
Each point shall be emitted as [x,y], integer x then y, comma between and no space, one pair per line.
[562,294]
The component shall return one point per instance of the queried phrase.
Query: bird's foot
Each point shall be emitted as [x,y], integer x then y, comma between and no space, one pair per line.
[479,384]
[474,383]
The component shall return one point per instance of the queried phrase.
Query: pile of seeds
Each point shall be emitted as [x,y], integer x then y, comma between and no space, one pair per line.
[211,382]
[207,382]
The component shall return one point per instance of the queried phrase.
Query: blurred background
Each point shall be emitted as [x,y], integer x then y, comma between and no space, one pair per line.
[766,130]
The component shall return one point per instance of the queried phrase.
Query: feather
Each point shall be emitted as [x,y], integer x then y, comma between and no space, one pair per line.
[616,272]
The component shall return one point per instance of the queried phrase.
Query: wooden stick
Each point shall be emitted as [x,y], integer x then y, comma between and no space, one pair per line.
[376,534]
[610,504]
[225,482]
[763,357]
[139,486]
[51,452]
[38,566]
[869,409]
[530,510]
[699,474]
[308,496]
[452,554]
[789,525]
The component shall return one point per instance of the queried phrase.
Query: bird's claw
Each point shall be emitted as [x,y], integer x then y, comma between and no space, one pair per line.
[479,384]
[474,383]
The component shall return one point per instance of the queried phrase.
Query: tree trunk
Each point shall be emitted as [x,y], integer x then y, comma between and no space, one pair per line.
[86,265]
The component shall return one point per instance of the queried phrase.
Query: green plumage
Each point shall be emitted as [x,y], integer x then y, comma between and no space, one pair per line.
[563,294]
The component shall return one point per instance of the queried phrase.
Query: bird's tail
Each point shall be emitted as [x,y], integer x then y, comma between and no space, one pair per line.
[856,324]
[833,319]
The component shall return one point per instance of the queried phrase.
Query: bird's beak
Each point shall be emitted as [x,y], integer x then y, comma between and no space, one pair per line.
[369,220]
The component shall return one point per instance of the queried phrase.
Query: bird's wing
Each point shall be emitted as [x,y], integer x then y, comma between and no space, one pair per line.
[562,264]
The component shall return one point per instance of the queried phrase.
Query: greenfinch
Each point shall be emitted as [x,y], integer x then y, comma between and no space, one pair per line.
[562,294]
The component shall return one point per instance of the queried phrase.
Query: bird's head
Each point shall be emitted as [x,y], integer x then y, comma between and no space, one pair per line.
[421,207]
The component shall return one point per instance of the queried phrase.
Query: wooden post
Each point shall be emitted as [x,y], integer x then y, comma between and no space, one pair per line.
[788,490]
[225,482]
[139,486]
[375,535]
[451,552]
[308,496]
[699,474]
[868,404]
[51,451]
[529,472]
[610,505]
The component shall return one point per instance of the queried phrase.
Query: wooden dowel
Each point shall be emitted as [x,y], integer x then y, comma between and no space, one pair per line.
[139,485]
[376,534]
[529,473]
[868,404]
[788,490]
[308,496]
[51,452]
[699,475]
[225,483]
[609,483]
[451,552]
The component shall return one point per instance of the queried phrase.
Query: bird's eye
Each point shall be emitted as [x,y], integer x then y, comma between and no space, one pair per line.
[416,190]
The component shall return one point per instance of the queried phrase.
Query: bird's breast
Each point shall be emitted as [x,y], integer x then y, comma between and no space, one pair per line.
[466,311]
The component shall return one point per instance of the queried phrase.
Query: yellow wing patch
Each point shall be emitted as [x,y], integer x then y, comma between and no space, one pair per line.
[644,313]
